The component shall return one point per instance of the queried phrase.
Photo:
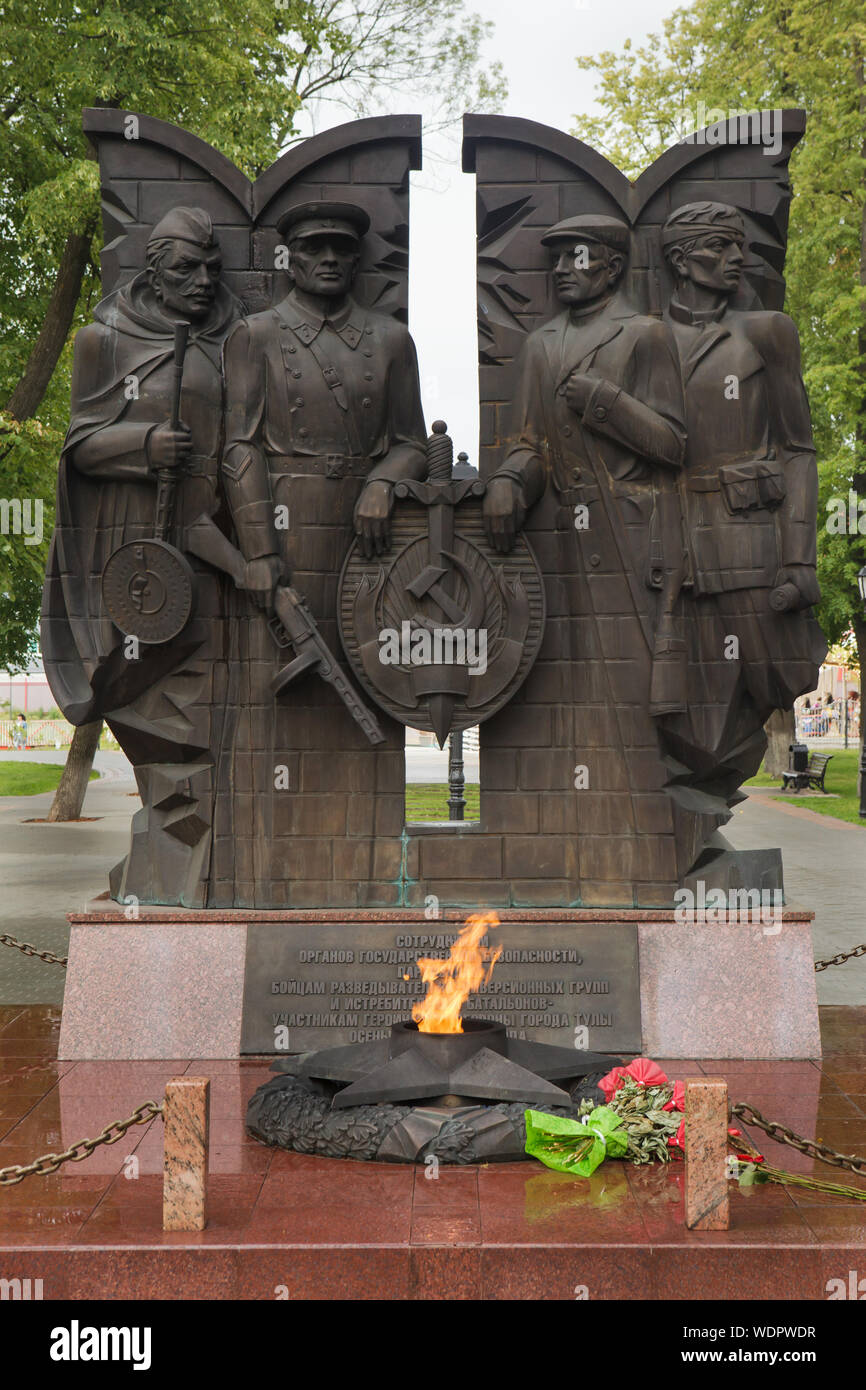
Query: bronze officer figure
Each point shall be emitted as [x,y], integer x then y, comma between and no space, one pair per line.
[594,446]
[323,404]
[322,417]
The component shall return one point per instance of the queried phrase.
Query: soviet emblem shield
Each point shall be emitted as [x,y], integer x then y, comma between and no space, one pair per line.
[441,630]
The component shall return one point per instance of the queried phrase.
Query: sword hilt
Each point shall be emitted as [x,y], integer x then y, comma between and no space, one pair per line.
[440,454]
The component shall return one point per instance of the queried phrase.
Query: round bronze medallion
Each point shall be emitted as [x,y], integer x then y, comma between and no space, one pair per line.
[147,588]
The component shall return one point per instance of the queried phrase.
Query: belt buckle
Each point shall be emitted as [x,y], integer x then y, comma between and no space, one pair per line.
[335,466]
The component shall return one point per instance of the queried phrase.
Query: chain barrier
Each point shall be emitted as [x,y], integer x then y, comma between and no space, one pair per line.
[51,959]
[49,1163]
[29,950]
[750,1116]
[842,956]
[76,1153]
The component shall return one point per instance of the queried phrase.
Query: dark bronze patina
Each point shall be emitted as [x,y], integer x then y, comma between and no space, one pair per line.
[749,500]
[638,548]
[437,627]
[139,470]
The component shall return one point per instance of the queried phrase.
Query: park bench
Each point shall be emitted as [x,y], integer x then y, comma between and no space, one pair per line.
[811,776]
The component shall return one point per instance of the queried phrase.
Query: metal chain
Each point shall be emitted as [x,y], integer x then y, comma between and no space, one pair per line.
[51,959]
[29,950]
[750,1116]
[49,1163]
[843,955]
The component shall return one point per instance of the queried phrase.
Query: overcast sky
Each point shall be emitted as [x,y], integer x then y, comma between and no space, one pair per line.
[537,42]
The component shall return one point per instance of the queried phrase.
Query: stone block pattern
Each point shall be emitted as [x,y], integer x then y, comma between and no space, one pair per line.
[706,1185]
[164,168]
[619,838]
[304,812]
[186,1115]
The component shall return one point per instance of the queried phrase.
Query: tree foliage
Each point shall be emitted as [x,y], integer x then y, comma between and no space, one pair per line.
[237,73]
[743,55]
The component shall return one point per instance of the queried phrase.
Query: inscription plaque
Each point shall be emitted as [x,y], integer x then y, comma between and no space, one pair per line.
[567,984]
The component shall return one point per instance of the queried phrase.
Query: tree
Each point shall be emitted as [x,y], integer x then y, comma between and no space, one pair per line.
[780,729]
[69,797]
[185,64]
[28,464]
[235,72]
[743,55]
[373,54]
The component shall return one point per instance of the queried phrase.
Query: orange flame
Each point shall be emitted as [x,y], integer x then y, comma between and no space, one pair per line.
[450,982]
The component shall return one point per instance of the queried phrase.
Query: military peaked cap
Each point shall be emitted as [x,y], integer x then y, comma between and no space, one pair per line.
[312,219]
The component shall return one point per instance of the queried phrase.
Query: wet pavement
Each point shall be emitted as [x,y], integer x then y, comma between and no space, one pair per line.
[288,1225]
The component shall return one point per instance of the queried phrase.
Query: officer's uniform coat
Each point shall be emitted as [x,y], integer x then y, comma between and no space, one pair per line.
[314,409]
[606,584]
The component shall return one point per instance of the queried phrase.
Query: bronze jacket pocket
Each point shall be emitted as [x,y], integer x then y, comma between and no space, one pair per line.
[749,486]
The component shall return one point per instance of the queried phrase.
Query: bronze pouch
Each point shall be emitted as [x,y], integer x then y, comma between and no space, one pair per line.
[750,486]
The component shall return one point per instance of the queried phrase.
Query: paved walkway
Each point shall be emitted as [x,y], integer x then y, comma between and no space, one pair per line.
[49,870]
[824,866]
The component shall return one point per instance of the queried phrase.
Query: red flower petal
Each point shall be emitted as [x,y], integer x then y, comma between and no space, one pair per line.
[611,1083]
[646,1071]
[678,1099]
[678,1140]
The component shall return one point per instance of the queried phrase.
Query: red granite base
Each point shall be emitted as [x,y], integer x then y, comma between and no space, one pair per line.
[170,983]
[284,1225]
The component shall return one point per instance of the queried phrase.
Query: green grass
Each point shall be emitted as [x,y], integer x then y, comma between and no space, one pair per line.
[841,779]
[429,801]
[28,779]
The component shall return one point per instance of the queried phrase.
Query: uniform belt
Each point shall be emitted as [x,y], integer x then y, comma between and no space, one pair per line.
[703,485]
[321,465]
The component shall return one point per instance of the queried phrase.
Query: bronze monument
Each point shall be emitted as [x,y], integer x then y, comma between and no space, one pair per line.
[265,565]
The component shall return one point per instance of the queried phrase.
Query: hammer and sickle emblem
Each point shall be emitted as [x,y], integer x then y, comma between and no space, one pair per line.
[429,582]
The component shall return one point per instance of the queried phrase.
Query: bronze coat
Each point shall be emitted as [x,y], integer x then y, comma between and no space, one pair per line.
[750,484]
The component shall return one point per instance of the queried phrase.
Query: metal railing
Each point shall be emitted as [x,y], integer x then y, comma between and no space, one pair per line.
[37,733]
[830,726]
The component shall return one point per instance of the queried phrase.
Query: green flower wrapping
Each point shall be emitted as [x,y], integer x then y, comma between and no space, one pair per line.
[575,1146]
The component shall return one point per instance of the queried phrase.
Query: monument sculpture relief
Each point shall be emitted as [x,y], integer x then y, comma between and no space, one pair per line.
[750,490]
[122,637]
[264,567]
[596,428]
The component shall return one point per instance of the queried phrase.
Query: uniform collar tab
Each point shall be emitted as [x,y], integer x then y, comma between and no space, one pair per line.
[307,323]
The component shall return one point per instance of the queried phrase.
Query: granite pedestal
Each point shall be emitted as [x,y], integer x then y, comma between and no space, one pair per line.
[171,982]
